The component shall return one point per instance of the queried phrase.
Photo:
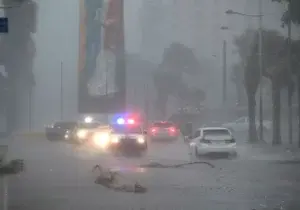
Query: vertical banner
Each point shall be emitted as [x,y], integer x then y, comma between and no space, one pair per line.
[102,71]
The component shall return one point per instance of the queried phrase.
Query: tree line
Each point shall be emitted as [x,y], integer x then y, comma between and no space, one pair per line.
[276,62]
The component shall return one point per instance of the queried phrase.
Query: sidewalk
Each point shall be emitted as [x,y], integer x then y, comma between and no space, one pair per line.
[284,151]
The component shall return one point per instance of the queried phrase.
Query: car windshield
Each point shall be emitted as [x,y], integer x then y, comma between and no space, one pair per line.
[89,125]
[65,125]
[121,129]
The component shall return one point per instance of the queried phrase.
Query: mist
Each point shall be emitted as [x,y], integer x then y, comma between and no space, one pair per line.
[198,27]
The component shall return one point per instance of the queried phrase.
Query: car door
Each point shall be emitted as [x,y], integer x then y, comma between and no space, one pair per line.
[58,128]
[196,136]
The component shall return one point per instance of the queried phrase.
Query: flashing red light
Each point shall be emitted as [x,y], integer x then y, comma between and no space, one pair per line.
[130,121]
[153,130]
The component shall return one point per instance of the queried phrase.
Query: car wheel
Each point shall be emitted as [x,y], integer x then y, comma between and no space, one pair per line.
[49,137]
[143,151]
[233,155]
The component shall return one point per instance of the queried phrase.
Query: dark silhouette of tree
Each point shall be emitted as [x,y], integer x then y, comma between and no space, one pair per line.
[275,66]
[275,70]
[237,77]
[177,59]
[246,45]
[295,12]
[294,16]
[17,51]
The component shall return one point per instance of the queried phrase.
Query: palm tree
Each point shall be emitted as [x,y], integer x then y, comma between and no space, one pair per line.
[177,59]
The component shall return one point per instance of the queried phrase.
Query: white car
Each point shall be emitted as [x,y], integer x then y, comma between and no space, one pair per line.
[242,124]
[210,140]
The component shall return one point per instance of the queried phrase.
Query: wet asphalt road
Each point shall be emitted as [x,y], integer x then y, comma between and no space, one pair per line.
[59,176]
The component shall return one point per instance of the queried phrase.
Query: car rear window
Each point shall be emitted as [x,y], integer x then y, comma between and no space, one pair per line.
[163,124]
[216,132]
[127,129]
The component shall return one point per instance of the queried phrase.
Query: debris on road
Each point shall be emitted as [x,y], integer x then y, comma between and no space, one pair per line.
[109,179]
[159,165]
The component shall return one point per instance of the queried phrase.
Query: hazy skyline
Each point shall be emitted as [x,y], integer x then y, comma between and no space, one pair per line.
[57,41]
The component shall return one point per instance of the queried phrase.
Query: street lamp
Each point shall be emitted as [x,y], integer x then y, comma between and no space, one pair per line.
[224,65]
[260,15]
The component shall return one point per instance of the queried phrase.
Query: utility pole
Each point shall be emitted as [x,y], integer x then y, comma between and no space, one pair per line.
[146,96]
[261,128]
[30,109]
[107,60]
[224,76]
[61,92]
[290,93]
[4,181]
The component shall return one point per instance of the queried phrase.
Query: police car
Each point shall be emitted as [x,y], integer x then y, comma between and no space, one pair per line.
[127,134]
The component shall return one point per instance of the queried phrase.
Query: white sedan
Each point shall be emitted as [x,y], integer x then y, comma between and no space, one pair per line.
[210,140]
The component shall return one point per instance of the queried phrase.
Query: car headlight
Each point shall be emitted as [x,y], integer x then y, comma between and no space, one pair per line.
[81,133]
[67,134]
[141,140]
[101,139]
[115,140]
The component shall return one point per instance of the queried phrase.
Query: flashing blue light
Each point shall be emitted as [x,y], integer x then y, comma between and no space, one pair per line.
[120,121]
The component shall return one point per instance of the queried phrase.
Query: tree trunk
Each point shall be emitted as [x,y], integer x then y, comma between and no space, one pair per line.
[239,92]
[251,113]
[276,112]
[298,93]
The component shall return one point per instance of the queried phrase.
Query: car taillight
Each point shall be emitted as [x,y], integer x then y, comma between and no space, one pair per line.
[153,130]
[172,129]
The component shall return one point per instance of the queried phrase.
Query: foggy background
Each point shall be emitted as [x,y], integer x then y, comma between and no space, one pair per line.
[196,23]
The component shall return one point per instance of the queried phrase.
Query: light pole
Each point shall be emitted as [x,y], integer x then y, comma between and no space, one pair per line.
[224,65]
[261,131]
[224,71]
[260,40]
[290,94]
[61,92]
[30,109]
